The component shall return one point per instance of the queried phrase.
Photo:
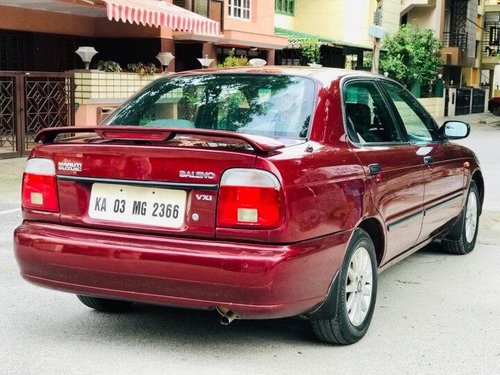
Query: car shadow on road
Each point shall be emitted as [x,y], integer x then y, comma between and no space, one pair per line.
[153,324]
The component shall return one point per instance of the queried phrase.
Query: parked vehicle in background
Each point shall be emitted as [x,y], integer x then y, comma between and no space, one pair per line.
[260,192]
[494,105]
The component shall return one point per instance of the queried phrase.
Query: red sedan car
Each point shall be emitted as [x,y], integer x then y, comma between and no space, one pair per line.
[494,105]
[259,192]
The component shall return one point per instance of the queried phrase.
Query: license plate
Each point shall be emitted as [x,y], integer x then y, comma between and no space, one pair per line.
[138,205]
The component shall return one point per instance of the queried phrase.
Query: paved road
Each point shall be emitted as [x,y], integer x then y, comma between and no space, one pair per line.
[435,314]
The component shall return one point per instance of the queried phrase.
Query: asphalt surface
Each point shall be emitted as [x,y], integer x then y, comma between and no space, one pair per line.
[435,314]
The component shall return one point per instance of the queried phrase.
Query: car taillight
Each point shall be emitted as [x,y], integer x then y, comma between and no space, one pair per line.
[39,185]
[249,198]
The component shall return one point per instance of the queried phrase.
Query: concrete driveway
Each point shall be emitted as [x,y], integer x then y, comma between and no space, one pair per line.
[435,314]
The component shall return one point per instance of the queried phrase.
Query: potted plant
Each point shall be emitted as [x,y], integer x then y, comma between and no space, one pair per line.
[311,52]
[142,69]
[233,60]
[109,66]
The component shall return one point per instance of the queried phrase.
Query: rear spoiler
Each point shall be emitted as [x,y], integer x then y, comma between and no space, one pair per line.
[141,133]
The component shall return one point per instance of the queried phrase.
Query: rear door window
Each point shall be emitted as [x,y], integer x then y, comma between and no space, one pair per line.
[368,119]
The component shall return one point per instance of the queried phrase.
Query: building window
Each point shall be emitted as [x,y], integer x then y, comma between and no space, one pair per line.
[285,7]
[239,9]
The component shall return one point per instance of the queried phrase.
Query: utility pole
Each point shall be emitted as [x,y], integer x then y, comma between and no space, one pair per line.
[377,32]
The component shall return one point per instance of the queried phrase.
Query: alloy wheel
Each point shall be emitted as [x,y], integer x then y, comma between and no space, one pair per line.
[359,283]
[471,217]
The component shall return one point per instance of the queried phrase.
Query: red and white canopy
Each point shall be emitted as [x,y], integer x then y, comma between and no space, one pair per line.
[160,14]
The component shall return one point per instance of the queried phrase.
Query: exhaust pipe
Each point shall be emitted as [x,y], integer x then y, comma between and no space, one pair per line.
[227,316]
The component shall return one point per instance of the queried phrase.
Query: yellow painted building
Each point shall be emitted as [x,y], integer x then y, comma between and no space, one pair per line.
[342,20]
[342,25]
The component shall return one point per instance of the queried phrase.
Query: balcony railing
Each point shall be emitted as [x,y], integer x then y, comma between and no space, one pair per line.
[451,39]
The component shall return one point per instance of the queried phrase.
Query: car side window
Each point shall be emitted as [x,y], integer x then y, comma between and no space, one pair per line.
[418,125]
[368,120]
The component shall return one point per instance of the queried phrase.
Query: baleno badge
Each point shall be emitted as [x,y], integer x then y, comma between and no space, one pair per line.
[197,174]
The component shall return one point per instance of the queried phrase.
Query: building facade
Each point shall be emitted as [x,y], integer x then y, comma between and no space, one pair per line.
[458,24]
[42,36]
[491,46]
[342,28]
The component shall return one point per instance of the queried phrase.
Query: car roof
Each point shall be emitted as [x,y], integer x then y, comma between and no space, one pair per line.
[323,74]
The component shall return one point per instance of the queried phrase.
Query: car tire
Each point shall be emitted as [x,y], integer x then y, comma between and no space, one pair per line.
[105,305]
[355,296]
[469,224]
[496,110]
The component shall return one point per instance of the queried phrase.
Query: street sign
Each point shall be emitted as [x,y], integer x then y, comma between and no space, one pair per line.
[376,31]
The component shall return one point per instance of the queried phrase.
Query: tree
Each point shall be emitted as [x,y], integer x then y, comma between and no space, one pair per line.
[413,55]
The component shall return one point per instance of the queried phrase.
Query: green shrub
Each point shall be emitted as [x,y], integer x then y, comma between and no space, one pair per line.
[233,60]
[311,51]
[109,66]
[142,69]
[413,55]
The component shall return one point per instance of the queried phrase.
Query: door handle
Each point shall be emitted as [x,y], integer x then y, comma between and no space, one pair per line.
[428,160]
[375,171]
[374,168]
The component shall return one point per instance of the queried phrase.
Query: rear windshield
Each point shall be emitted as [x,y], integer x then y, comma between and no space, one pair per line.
[271,105]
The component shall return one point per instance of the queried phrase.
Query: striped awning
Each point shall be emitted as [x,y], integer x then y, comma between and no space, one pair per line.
[160,14]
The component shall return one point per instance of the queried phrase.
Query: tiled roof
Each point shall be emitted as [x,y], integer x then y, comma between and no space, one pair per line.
[297,37]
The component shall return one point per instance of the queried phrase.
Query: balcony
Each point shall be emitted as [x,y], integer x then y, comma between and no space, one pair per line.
[490,56]
[492,5]
[454,51]
[459,40]
[213,9]
[407,5]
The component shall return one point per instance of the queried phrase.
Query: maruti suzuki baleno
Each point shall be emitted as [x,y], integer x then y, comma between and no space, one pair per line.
[258,192]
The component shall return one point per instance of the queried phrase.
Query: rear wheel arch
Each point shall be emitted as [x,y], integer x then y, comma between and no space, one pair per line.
[477,177]
[348,309]
[375,230]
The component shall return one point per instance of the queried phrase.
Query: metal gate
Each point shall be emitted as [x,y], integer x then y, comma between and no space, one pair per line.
[478,101]
[463,101]
[30,102]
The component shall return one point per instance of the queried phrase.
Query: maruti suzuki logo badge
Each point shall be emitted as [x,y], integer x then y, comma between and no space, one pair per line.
[69,166]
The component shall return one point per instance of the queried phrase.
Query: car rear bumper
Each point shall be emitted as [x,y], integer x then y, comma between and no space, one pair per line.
[253,280]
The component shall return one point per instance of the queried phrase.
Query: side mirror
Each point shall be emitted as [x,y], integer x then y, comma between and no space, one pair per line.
[455,129]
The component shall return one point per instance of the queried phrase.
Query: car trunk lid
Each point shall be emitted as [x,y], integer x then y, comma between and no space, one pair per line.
[146,180]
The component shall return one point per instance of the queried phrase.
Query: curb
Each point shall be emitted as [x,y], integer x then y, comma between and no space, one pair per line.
[491,122]
[484,118]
